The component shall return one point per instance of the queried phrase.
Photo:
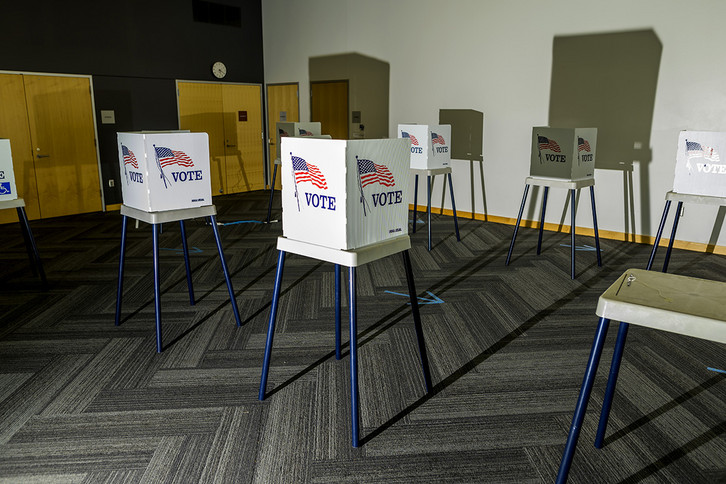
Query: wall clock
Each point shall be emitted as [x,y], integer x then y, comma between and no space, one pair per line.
[219,70]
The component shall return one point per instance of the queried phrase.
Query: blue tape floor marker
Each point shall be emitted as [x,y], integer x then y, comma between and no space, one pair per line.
[715,369]
[241,222]
[422,300]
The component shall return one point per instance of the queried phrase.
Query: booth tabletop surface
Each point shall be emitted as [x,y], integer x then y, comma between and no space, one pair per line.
[699,199]
[349,258]
[680,304]
[560,182]
[18,202]
[168,215]
[431,171]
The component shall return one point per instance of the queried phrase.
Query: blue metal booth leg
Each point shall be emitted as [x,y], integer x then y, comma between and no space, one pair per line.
[271,325]
[188,266]
[516,226]
[119,291]
[572,233]
[663,219]
[337,312]
[673,237]
[594,223]
[453,207]
[612,381]
[157,288]
[272,192]
[417,321]
[428,207]
[581,407]
[354,399]
[35,261]
[415,202]
[542,219]
[232,299]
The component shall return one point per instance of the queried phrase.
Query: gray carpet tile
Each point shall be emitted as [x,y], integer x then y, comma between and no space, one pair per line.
[84,401]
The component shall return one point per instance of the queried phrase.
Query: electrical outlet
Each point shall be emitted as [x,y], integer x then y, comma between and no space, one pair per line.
[111,183]
[638,145]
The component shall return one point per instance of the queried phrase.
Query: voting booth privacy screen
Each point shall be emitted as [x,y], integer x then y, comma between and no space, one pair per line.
[8,189]
[430,144]
[700,167]
[164,170]
[297,130]
[344,194]
[567,153]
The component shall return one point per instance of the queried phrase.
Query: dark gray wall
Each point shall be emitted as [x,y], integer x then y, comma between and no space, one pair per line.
[134,50]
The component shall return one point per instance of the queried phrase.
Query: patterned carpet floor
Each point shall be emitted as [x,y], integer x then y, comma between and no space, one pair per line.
[84,401]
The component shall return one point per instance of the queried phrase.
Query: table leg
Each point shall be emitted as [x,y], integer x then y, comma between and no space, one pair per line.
[337,311]
[415,202]
[119,291]
[232,298]
[673,237]
[188,266]
[157,288]
[271,324]
[659,234]
[516,226]
[542,219]
[453,207]
[354,398]
[594,223]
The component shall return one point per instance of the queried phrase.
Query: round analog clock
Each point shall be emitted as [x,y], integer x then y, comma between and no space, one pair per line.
[219,70]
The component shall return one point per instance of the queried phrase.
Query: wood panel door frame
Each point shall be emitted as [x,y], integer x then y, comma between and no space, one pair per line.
[271,120]
[263,116]
[93,116]
[313,115]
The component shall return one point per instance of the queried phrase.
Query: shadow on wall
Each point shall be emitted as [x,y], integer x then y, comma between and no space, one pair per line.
[467,131]
[366,113]
[608,81]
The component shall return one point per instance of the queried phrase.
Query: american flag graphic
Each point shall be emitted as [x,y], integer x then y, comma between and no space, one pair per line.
[373,172]
[548,144]
[413,139]
[305,171]
[435,138]
[283,132]
[129,158]
[168,157]
[697,150]
[304,132]
[583,145]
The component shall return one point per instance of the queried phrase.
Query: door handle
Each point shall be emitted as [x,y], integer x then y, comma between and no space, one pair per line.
[231,146]
[43,156]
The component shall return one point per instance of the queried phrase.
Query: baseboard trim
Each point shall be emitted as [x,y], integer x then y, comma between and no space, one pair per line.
[605,234]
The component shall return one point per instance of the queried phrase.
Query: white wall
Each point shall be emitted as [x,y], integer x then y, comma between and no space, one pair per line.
[502,67]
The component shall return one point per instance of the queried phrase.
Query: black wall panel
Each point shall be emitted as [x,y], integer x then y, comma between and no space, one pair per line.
[134,50]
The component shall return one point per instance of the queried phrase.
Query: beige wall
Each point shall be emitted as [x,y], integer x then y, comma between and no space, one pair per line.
[496,57]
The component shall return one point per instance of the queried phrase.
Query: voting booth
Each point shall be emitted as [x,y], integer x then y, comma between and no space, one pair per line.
[430,144]
[164,170]
[699,167]
[567,153]
[8,190]
[344,194]
[297,130]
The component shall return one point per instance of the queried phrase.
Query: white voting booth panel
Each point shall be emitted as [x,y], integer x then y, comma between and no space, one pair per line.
[567,153]
[430,144]
[8,190]
[164,170]
[297,130]
[700,168]
[344,194]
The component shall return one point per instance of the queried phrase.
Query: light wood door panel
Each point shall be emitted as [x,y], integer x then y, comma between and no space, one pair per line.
[14,126]
[60,117]
[232,116]
[329,105]
[200,105]
[280,98]
[244,142]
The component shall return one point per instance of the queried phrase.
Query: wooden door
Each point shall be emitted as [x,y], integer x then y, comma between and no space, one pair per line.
[231,114]
[14,126]
[200,107]
[244,139]
[282,105]
[62,132]
[329,105]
